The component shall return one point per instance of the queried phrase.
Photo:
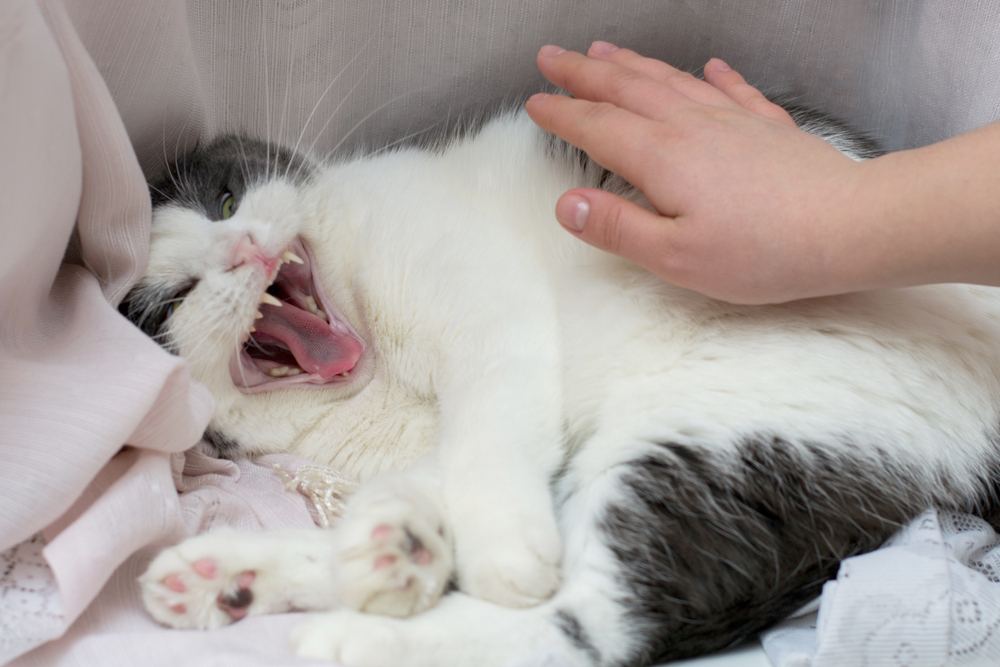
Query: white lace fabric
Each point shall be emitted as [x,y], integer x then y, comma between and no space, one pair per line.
[30,612]
[930,597]
[276,491]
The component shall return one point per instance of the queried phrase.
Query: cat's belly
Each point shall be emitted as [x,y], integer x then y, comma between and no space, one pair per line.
[919,367]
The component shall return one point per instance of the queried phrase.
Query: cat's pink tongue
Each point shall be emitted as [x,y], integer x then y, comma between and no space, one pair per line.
[316,347]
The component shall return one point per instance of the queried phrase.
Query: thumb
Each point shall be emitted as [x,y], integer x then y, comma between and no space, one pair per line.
[619,226]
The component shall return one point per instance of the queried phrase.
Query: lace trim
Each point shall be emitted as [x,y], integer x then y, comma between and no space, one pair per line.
[30,611]
[325,488]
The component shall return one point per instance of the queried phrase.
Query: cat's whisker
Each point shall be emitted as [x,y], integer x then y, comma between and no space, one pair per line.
[322,96]
[267,101]
[374,111]
[330,118]
[157,190]
[244,162]
[407,137]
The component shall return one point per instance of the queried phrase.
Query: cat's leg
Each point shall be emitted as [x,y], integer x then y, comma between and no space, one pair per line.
[673,549]
[582,626]
[500,449]
[500,445]
[219,577]
[389,554]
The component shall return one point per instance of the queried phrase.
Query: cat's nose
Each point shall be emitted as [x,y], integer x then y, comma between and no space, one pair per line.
[246,250]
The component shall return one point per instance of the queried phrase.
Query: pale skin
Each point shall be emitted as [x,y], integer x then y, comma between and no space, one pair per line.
[750,209]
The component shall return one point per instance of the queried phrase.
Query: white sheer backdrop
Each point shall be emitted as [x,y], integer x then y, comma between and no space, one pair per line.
[910,71]
[82,82]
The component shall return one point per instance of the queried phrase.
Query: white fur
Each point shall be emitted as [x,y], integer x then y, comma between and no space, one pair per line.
[497,343]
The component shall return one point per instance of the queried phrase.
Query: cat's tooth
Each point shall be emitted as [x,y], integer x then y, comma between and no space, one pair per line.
[311,305]
[293,371]
[270,300]
[258,315]
[253,329]
[290,256]
[278,371]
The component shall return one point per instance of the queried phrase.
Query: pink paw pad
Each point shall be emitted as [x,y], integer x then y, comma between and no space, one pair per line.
[381,532]
[205,567]
[174,583]
[384,561]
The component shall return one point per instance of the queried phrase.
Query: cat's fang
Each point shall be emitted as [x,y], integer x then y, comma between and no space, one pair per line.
[290,256]
[269,300]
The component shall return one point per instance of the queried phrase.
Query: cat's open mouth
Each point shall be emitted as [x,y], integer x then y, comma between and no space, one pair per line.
[299,337]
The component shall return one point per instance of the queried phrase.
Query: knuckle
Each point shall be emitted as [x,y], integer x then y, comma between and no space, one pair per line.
[766,107]
[621,81]
[596,112]
[746,94]
[611,232]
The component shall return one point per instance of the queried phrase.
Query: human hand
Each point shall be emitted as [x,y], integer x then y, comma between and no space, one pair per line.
[748,208]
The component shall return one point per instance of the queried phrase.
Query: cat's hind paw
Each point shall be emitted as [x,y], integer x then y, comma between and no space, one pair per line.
[193,586]
[395,558]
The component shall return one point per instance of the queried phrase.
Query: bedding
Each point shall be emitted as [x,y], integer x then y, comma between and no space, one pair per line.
[94,94]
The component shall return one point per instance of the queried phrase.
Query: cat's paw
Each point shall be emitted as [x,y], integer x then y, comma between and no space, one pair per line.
[198,584]
[351,639]
[395,556]
[511,559]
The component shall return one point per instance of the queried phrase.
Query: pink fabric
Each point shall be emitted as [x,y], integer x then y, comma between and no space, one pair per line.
[115,630]
[77,382]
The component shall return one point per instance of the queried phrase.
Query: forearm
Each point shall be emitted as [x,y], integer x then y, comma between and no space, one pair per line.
[930,215]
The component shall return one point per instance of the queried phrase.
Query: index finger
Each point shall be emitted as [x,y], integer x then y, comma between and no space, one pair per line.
[605,80]
[617,139]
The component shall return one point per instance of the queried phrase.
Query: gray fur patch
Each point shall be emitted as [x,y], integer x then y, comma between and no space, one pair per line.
[713,549]
[569,625]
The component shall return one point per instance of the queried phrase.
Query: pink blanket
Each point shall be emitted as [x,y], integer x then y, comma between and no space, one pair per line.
[114,629]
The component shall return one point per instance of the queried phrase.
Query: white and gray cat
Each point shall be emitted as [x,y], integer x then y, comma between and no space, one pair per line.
[611,470]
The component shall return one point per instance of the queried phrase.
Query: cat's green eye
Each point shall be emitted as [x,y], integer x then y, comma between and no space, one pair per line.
[227,205]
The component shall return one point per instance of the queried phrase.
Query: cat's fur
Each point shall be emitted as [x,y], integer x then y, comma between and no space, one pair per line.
[707,465]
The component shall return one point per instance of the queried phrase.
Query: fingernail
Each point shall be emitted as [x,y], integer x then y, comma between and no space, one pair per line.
[550,50]
[573,212]
[720,65]
[600,48]
[537,97]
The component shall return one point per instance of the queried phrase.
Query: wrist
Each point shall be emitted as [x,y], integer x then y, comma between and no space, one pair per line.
[893,236]
[931,214]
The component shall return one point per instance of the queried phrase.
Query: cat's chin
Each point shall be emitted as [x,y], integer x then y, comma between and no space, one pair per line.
[300,338]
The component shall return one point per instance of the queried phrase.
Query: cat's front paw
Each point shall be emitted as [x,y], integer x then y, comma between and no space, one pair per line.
[395,556]
[197,585]
[511,559]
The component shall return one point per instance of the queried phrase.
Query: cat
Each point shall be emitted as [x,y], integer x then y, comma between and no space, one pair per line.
[609,469]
